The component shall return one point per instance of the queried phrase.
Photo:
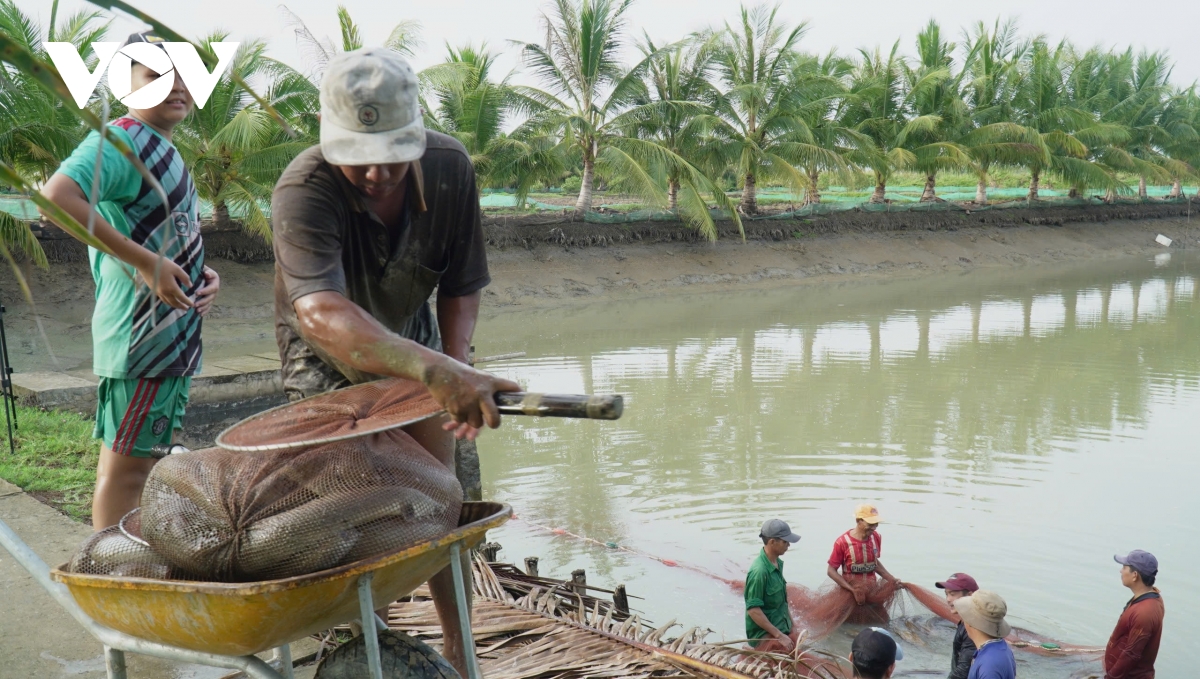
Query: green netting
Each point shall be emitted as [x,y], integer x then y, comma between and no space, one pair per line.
[495,199]
[22,208]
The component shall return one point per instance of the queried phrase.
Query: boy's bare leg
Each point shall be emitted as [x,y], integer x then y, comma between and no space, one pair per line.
[440,444]
[119,482]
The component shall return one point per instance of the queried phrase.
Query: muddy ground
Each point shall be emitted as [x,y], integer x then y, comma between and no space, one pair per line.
[543,260]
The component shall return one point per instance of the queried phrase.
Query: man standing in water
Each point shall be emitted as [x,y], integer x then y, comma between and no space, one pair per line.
[958,586]
[1133,646]
[366,225]
[856,553]
[768,620]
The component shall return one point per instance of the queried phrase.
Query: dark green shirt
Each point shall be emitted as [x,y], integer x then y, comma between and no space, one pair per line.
[766,589]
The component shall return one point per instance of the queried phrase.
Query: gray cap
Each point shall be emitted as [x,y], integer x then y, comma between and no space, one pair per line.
[370,109]
[777,528]
[1141,561]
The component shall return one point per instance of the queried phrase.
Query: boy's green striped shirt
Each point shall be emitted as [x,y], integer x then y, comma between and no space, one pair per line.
[134,334]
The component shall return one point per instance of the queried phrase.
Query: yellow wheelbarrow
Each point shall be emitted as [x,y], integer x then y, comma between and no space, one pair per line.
[226,624]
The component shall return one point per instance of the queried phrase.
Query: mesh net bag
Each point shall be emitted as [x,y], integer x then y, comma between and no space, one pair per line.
[338,415]
[120,551]
[235,516]
[820,612]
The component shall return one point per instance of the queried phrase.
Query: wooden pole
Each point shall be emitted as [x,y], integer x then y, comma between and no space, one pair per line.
[621,600]
[560,405]
[531,563]
[490,551]
[579,581]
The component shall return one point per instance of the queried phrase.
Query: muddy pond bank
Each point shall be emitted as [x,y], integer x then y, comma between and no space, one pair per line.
[537,263]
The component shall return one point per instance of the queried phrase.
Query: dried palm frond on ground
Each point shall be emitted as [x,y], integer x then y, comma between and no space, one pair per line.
[538,635]
[517,584]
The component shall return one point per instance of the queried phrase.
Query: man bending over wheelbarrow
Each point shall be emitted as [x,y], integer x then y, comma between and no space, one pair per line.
[366,225]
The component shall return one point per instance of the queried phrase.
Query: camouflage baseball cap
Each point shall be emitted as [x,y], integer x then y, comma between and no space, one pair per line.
[370,109]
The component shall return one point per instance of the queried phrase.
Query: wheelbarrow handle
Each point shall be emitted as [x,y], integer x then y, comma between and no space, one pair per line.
[560,405]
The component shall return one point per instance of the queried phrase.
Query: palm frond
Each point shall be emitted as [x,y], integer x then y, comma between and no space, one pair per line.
[18,237]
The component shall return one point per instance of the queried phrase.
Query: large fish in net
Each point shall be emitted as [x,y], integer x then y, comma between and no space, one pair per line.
[235,517]
[311,485]
[316,484]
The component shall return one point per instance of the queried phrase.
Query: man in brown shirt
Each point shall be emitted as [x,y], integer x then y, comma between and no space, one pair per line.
[366,226]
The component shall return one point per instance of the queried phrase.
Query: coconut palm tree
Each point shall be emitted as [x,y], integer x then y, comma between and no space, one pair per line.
[587,85]
[1044,104]
[469,106]
[760,114]
[295,92]
[937,96]
[1135,99]
[880,108]
[404,38]
[234,148]
[824,79]
[680,97]
[592,101]
[1181,120]
[36,131]
[992,66]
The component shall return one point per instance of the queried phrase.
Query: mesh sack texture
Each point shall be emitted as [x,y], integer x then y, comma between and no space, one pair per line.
[119,551]
[345,413]
[232,516]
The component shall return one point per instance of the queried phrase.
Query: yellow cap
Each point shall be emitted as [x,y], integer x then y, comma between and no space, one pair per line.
[867,513]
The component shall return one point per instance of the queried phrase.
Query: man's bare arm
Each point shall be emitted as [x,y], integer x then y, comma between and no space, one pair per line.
[349,334]
[886,575]
[756,614]
[165,277]
[837,577]
[456,321]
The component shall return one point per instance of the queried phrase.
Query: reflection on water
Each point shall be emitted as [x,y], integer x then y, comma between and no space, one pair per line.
[1021,428]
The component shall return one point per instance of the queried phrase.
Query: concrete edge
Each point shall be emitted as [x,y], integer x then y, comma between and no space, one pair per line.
[233,379]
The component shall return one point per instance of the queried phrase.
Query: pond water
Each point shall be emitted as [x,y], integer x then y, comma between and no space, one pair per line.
[1022,427]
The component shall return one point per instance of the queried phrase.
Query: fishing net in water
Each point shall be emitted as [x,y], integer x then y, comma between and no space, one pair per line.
[821,612]
[234,517]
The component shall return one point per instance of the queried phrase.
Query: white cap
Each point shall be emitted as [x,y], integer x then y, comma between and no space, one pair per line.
[370,109]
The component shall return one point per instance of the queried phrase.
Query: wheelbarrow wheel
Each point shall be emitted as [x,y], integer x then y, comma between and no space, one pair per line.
[401,657]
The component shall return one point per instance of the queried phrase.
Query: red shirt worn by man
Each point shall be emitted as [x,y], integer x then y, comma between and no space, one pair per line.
[857,558]
[1133,646]
[856,555]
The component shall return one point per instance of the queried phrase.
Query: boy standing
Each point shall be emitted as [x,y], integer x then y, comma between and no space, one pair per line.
[150,297]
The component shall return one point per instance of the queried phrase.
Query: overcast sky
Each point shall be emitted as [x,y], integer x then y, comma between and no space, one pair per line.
[1169,26]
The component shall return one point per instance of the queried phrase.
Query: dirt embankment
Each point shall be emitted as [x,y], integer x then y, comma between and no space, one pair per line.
[532,231]
[543,260]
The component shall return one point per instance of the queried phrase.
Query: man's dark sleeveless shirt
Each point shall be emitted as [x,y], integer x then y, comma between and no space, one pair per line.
[325,238]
